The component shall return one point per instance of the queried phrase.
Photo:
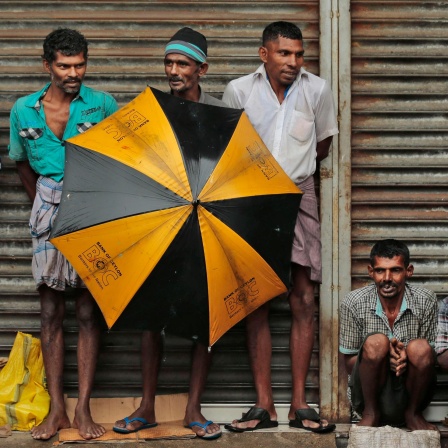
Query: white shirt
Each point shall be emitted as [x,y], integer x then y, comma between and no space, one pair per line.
[291,129]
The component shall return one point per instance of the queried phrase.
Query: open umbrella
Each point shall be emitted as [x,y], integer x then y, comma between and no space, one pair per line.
[176,216]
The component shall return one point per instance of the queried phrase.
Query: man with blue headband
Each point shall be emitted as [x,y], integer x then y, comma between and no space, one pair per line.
[185,63]
[189,43]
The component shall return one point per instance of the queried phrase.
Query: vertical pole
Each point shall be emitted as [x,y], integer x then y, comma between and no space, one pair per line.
[344,162]
[335,202]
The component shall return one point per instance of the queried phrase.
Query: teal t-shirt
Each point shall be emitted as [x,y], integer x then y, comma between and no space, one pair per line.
[31,139]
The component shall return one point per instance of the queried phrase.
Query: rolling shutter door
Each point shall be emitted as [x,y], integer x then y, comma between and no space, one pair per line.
[400,137]
[127,40]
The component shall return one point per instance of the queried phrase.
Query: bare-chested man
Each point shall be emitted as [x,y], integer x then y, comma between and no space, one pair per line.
[40,123]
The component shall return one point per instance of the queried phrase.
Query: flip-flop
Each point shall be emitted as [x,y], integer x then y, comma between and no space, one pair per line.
[254,413]
[310,414]
[127,420]
[207,436]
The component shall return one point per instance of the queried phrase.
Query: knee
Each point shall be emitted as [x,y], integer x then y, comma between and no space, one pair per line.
[52,313]
[375,348]
[51,316]
[420,353]
[301,302]
[86,313]
[85,317]
[258,319]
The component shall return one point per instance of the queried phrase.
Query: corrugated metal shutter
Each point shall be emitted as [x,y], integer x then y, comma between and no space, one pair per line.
[400,136]
[126,49]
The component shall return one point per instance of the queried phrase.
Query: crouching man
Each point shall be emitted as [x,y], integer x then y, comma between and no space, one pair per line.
[387,334]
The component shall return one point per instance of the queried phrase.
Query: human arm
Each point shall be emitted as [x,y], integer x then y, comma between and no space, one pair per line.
[326,122]
[18,153]
[442,360]
[349,361]
[28,177]
[350,334]
[323,148]
[428,329]
[442,335]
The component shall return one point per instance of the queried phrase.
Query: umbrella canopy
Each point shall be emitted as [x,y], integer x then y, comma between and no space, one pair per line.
[176,216]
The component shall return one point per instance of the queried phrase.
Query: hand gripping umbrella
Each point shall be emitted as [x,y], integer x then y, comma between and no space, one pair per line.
[176,217]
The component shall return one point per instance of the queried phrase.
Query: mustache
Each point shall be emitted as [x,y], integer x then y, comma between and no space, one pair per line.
[72,80]
[388,283]
[175,78]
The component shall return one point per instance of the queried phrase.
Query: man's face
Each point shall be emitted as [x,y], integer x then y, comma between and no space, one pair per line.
[283,59]
[67,72]
[183,73]
[390,275]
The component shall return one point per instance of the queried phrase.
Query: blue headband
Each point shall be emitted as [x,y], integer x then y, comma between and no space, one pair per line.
[187,49]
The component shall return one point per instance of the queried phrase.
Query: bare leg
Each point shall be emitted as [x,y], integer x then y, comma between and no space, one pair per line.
[200,365]
[52,316]
[442,360]
[87,355]
[373,369]
[420,371]
[259,345]
[151,357]
[301,302]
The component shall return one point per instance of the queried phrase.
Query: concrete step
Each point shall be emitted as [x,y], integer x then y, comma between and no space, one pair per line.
[283,436]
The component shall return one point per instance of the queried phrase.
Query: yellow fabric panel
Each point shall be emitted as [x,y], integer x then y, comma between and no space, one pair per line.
[247,168]
[140,136]
[239,279]
[115,258]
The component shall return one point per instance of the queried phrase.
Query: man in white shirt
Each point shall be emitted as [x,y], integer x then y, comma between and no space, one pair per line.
[293,111]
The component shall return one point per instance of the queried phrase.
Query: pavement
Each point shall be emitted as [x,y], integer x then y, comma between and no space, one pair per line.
[283,436]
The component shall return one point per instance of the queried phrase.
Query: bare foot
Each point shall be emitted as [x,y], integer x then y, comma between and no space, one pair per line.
[55,421]
[307,423]
[86,427]
[416,421]
[212,429]
[253,423]
[369,420]
[245,425]
[141,412]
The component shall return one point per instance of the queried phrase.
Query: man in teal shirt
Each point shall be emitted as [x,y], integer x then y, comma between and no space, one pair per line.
[40,123]
[33,141]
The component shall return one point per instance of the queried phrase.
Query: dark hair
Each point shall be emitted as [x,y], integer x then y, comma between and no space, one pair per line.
[68,42]
[283,29]
[388,249]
